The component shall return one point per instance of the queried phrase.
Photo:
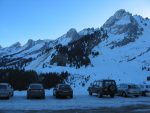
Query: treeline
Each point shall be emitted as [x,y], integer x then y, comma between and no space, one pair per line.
[20,79]
[76,53]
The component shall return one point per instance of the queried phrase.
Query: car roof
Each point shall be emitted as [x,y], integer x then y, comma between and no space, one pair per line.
[104,80]
[4,84]
[127,84]
[63,84]
[35,84]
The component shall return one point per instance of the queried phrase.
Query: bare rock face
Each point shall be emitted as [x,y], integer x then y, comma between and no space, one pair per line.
[72,33]
[123,22]
[16,45]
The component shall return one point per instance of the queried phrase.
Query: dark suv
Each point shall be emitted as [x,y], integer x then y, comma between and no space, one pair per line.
[103,87]
[63,90]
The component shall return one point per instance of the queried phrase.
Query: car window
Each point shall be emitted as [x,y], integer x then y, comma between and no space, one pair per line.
[100,83]
[107,83]
[97,83]
[94,83]
[133,86]
[64,87]
[3,86]
[147,86]
[122,86]
[141,86]
[36,86]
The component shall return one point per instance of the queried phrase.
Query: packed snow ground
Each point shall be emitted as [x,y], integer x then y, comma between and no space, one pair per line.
[81,101]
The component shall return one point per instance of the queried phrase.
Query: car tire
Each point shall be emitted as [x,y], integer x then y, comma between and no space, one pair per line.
[136,95]
[90,93]
[43,97]
[57,96]
[112,95]
[124,94]
[111,88]
[143,93]
[8,97]
[12,94]
[28,97]
[71,96]
[99,95]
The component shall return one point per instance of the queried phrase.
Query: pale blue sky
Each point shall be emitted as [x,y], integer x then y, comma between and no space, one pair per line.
[21,20]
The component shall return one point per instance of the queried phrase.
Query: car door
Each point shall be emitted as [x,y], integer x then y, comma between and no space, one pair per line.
[95,87]
[121,89]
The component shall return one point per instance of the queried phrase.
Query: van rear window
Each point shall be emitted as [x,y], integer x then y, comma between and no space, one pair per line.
[3,87]
[133,86]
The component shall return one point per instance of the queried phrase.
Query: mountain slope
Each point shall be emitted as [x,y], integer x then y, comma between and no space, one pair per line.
[119,50]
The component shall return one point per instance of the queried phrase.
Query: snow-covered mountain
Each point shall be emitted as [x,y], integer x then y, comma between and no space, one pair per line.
[120,50]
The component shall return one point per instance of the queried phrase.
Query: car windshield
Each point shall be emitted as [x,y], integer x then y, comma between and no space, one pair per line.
[3,86]
[36,86]
[147,86]
[64,87]
[133,87]
[107,83]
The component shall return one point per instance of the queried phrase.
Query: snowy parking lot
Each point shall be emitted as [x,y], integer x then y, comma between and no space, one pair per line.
[82,101]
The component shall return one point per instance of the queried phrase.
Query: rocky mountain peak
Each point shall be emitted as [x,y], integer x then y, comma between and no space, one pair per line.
[121,13]
[72,33]
[16,45]
[121,17]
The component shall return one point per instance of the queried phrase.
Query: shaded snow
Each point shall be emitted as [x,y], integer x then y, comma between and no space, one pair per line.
[19,102]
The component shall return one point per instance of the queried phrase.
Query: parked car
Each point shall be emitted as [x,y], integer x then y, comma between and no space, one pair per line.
[6,90]
[145,89]
[63,90]
[127,90]
[103,87]
[35,91]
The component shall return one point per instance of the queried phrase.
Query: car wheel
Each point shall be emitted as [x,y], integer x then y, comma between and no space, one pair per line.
[8,97]
[28,97]
[90,93]
[71,96]
[100,95]
[143,93]
[124,94]
[136,95]
[43,97]
[12,94]
[112,95]
[57,96]
[54,94]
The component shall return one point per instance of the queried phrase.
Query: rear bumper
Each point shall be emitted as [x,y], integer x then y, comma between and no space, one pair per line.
[36,95]
[64,94]
[108,93]
[4,95]
[134,94]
